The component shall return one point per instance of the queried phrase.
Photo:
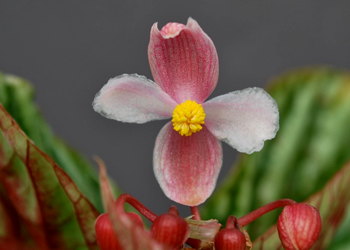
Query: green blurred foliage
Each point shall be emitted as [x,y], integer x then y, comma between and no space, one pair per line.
[16,95]
[312,144]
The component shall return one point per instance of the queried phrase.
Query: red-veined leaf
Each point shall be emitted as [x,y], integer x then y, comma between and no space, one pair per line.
[47,204]
[17,96]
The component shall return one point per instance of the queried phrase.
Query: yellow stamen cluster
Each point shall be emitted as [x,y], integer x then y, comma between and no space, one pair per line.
[188,117]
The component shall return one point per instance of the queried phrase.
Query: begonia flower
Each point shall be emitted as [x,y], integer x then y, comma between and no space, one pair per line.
[188,154]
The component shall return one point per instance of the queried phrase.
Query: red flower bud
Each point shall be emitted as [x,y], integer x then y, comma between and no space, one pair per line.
[170,229]
[135,218]
[299,226]
[105,235]
[231,237]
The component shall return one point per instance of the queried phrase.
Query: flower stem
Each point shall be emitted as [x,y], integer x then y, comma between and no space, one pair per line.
[173,210]
[126,198]
[245,220]
[231,222]
[194,243]
[195,213]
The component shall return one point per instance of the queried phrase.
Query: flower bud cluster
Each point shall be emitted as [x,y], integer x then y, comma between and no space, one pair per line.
[168,229]
[299,226]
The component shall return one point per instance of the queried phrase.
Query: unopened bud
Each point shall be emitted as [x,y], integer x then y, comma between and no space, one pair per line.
[135,218]
[299,226]
[231,237]
[170,229]
[105,235]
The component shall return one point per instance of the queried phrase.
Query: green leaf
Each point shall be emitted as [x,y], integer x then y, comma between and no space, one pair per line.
[331,201]
[312,144]
[48,210]
[16,95]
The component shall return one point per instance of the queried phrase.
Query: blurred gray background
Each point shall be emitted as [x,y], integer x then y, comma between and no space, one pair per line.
[69,49]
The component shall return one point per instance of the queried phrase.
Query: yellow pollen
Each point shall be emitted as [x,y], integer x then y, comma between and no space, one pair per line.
[188,118]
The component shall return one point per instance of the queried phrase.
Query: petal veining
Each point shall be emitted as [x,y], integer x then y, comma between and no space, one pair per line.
[187,167]
[133,98]
[183,61]
[244,119]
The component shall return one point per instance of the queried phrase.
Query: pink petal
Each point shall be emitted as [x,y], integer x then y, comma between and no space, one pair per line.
[187,167]
[133,98]
[183,61]
[244,119]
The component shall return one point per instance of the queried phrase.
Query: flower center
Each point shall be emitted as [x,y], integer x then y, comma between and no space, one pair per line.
[188,117]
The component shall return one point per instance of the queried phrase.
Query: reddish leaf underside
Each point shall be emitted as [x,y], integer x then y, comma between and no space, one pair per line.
[51,212]
[331,201]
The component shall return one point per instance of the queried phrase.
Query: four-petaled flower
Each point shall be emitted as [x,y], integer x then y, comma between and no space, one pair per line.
[188,155]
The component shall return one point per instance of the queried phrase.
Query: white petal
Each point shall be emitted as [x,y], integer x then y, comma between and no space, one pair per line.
[133,98]
[243,119]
